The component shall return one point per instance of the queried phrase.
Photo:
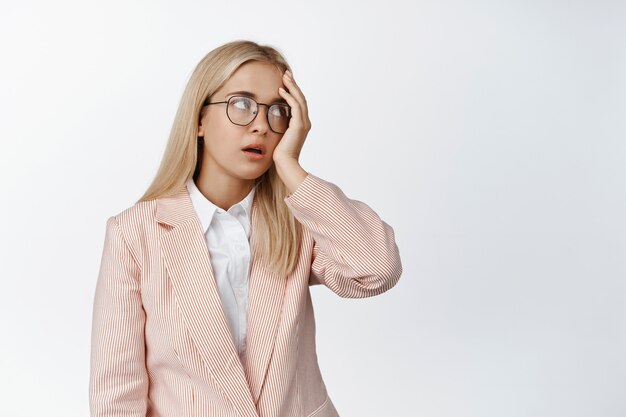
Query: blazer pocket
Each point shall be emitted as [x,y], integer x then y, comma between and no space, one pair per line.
[192,409]
[189,402]
[319,411]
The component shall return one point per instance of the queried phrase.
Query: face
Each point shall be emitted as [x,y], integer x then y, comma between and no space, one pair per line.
[224,141]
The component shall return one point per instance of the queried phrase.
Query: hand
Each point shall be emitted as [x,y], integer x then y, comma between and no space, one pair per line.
[292,141]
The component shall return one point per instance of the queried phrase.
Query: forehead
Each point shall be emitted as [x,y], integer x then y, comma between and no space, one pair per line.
[259,78]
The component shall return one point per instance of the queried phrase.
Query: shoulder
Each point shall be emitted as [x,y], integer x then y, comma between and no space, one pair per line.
[134,224]
[138,215]
[141,219]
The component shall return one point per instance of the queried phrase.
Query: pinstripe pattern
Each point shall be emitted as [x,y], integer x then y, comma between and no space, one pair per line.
[161,346]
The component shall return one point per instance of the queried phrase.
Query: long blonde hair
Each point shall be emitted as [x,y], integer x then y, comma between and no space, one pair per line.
[277,236]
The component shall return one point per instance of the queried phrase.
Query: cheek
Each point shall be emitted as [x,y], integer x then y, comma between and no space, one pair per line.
[273,143]
[217,125]
[221,138]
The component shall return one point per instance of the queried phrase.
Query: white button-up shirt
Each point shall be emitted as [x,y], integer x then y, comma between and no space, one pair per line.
[227,234]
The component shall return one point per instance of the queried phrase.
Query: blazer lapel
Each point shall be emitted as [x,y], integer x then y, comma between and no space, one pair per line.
[266,293]
[187,261]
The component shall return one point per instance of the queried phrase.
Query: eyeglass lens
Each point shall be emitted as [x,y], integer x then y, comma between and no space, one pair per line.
[242,110]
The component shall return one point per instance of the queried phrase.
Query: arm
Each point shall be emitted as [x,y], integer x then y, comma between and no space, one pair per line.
[355,254]
[118,384]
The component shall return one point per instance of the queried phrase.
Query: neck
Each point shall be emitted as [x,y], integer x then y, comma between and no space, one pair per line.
[223,191]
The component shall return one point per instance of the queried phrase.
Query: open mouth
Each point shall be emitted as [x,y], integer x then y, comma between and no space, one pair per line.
[255,150]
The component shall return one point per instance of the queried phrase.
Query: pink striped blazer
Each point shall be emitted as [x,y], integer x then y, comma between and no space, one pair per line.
[161,346]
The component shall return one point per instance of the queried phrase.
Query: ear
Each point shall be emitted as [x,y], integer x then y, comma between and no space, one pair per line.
[200,118]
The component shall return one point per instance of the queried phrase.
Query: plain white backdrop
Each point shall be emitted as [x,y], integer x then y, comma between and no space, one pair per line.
[489,134]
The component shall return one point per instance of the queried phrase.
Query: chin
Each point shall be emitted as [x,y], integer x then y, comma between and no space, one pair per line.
[253,174]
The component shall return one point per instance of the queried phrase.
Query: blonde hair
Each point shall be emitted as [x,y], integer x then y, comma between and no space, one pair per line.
[277,236]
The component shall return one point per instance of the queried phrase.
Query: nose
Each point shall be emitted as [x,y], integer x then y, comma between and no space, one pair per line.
[260,123]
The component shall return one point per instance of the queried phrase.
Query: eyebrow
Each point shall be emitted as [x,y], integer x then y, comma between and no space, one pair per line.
[254,96]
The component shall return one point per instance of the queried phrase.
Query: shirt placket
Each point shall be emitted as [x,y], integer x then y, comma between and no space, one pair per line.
[240,257]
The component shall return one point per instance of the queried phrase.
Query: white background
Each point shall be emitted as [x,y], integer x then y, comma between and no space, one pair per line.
[489,134]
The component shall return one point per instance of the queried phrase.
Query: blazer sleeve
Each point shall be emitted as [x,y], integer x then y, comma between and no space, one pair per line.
[354,251]
[118,384]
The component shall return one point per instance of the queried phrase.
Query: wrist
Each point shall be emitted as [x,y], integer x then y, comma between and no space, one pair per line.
[290,172]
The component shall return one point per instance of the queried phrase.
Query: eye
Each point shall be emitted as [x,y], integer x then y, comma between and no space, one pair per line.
[241,103]
[279,110]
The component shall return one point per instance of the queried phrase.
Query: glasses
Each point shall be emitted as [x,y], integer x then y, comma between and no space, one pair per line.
[243,110]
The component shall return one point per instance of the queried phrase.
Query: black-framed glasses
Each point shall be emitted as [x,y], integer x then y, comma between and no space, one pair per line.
[242,110]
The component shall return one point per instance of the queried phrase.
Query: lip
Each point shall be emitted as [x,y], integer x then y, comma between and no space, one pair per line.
[253,156]
[256,145]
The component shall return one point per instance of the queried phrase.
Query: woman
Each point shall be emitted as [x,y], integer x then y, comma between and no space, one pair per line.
[202,305]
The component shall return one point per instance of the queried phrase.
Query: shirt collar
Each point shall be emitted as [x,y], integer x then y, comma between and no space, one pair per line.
[205,209]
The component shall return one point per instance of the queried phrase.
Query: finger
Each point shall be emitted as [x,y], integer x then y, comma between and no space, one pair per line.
[299,109]
[295,90]
[293,103]
[297,114]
